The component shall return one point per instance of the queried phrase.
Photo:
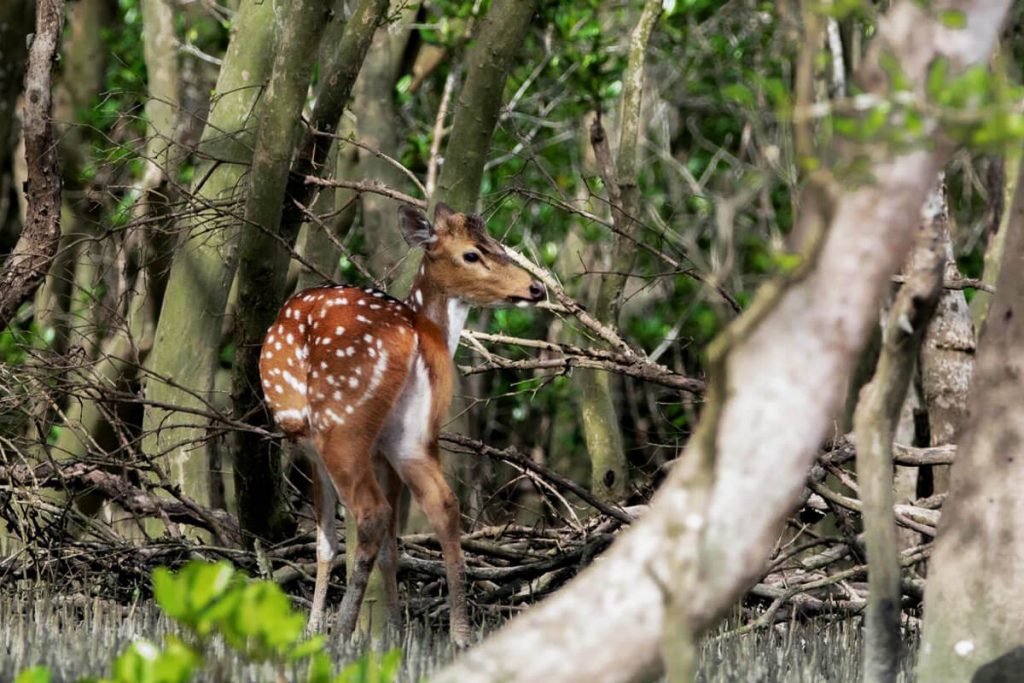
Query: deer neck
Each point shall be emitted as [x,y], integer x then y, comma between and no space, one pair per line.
[448,312]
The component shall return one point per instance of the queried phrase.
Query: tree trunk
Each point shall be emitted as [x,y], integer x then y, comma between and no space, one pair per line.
[702,542]
[119,354]
[26,267]
[379,127]
[875,422]
[609,472]
[488,62]
[1011,162]
[974,608]
[338,73]
[263,267]
[947,363]
[183,363]
[83,67]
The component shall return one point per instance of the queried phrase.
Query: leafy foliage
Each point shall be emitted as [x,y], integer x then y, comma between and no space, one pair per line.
[253,617]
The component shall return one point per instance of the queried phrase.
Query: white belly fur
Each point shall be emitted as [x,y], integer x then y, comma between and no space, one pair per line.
[408,427]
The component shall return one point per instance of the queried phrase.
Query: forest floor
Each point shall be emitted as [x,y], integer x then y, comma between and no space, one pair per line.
[77,638]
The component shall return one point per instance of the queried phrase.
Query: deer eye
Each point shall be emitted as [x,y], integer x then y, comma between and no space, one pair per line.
[471,257]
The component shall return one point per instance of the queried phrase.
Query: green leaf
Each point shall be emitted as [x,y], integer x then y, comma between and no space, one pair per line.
[953,18]
[938,75]
[787,262]
[739,93]
[894,70]
[169,593]
[136,664]
[206,582]
[307,648]
[319,669]
[35,674]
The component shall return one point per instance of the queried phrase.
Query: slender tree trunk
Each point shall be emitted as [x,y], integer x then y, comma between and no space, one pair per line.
[489,61]
[318,242]
[314,241]
[875,422]
[712,525]
[119,354]
[83,68]
[996,244]
[338,73]
[183,362]
[263,266]
[26,267]
[974,607]
[947,364]
[379,127]
[1003,197]
[609,473]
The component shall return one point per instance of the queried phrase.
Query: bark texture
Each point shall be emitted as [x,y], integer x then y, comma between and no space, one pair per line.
[489,60]
[997,237]
[338,72]
[947,364]
[380,128]
[183,363]
[609,470]
[875,423]
[263,266]
[26,267]
[163,84]
[781,358]
[974,608]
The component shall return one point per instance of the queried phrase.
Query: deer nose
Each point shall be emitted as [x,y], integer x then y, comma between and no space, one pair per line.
[537,290]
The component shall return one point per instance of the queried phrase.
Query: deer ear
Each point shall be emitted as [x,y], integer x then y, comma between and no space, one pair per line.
[442,212]
[416,229]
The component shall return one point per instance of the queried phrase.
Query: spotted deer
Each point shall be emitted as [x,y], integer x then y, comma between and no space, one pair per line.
[367,380]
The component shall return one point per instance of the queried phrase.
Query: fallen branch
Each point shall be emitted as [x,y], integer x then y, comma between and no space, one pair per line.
[81,476]
[513,457]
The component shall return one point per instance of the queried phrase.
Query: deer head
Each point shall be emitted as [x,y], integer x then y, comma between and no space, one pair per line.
[466,263]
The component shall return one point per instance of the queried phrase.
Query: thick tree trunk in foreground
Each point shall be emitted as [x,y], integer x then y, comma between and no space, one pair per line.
[974,606]
[26,267]
[263,266]
[875,423]
[789,354]
[184,359]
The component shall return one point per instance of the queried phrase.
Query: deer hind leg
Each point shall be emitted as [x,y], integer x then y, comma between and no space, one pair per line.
[348,462]
[325,501]
[387,561]
[426,480]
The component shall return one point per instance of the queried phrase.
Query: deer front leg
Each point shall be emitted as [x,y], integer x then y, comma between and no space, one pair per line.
[427,483]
